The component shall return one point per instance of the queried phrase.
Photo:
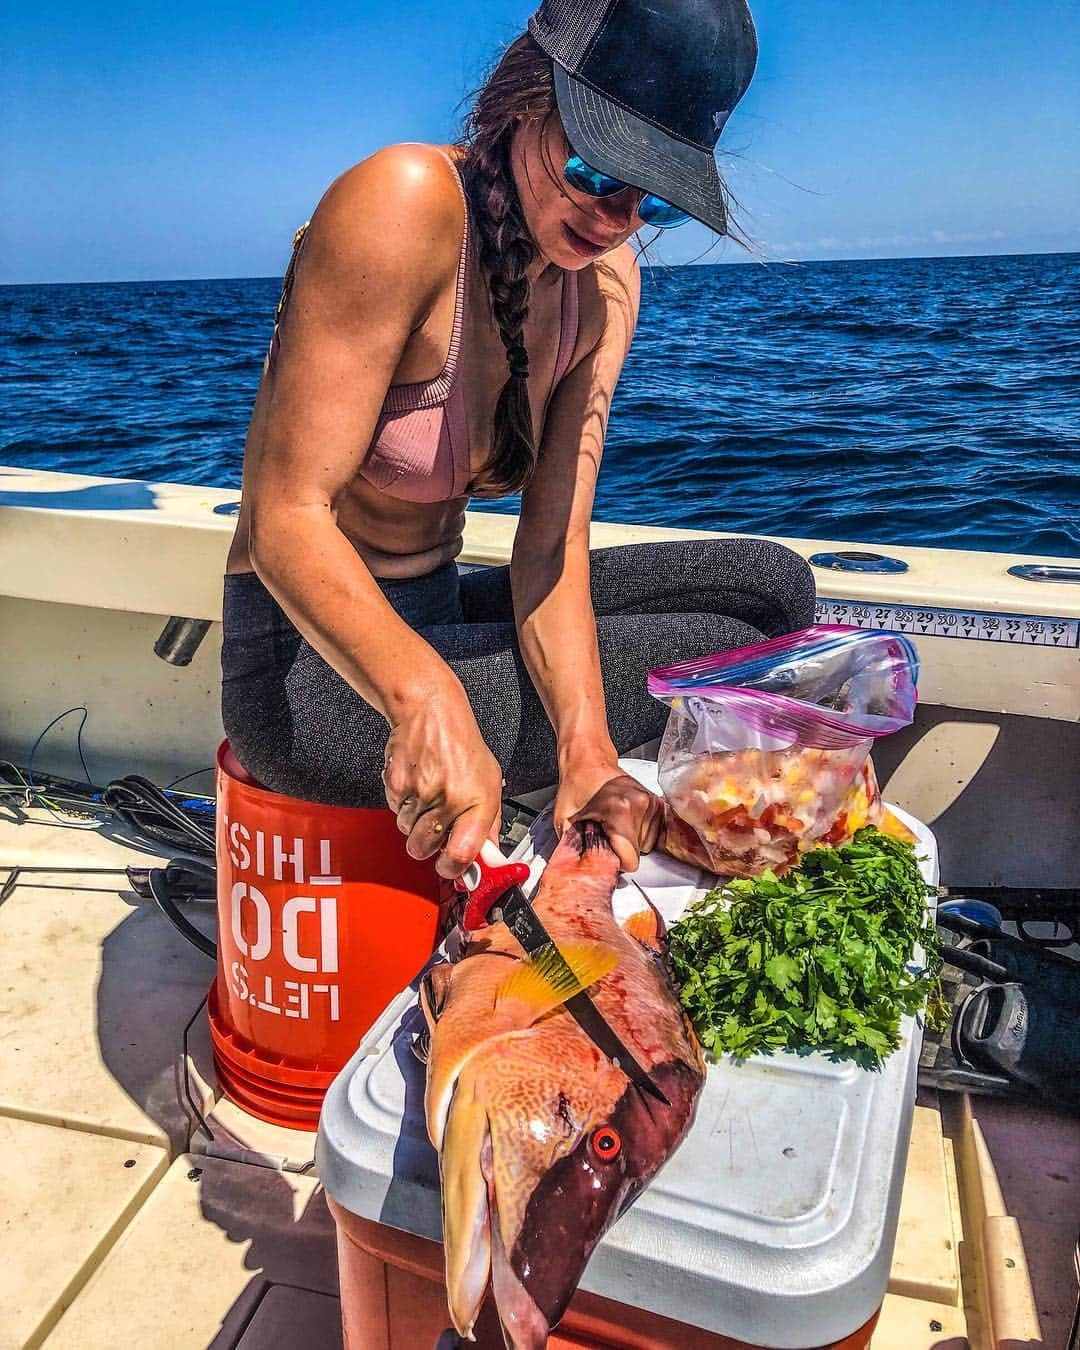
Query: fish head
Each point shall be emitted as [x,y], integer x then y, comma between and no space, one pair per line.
[567,1144]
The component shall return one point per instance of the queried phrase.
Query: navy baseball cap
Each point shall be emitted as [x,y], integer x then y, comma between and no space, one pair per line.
[645,87]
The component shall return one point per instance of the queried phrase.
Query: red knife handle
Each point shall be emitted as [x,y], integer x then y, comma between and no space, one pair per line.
[486,888]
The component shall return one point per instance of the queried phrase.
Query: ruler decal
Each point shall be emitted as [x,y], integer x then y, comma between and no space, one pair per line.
[1029,630]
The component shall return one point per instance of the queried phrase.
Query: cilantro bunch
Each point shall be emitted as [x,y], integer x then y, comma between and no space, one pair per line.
[818,958]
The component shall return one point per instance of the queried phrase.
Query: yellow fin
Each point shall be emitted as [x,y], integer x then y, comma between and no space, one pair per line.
[553,976]
[643,925]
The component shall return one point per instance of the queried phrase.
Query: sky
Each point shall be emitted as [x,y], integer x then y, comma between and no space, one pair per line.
[141,141]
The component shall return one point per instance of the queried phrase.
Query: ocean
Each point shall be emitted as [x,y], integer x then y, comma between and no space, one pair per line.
[920,401]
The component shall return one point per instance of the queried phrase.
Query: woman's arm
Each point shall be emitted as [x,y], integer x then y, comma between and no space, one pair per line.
[381,247]
[549,570]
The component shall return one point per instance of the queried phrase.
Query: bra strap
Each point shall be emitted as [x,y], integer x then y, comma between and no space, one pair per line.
[454,353]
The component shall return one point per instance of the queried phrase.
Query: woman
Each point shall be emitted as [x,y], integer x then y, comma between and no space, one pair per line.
[453,323]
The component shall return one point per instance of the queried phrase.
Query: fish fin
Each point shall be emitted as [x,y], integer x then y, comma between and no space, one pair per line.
[466,1217]
[551,977]
[434,987]
[592,836]
[694,1043]
[644,925]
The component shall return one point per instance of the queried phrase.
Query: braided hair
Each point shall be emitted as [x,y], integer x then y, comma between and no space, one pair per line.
[520,88]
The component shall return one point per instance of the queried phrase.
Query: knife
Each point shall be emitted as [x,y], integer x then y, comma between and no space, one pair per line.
[495,895]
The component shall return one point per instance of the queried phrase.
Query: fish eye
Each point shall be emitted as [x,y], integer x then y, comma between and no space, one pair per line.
[606,1144]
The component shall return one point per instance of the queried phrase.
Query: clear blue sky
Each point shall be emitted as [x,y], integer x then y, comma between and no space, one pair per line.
[146,140]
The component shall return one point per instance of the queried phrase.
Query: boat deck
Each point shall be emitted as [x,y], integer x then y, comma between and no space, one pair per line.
[142,1209]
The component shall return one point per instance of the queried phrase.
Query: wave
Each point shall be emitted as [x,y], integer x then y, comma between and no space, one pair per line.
[920,401]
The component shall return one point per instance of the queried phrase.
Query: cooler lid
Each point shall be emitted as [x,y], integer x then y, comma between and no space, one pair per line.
[774,1221]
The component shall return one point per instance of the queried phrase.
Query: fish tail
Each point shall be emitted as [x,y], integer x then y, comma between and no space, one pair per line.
[589,835]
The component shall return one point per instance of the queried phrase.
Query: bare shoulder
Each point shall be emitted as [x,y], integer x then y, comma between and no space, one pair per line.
[610,295]
[398,212]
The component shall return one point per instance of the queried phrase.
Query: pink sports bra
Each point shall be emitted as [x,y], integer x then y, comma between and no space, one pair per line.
[420,449]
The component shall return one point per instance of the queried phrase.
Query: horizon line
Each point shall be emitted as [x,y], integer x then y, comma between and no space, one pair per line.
[651,267]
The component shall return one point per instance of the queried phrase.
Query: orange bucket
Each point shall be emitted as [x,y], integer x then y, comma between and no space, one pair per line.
[322,918]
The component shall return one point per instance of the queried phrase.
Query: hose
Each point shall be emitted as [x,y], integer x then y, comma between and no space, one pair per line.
[159,889]
[149,811]
[146,808]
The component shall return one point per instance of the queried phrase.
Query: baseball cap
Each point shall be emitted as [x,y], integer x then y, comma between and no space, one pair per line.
[645,87]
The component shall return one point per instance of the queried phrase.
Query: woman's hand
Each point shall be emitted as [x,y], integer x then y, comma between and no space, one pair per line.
[631,815]
[442,781]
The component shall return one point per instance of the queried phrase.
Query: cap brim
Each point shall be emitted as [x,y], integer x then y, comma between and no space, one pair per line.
[624,146]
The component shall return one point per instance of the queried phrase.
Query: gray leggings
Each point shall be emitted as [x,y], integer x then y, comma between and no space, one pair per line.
[299,728]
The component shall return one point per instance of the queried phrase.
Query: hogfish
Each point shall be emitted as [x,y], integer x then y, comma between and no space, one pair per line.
[543,1141]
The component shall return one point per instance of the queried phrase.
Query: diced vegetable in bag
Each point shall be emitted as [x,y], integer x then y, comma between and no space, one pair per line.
[766,751]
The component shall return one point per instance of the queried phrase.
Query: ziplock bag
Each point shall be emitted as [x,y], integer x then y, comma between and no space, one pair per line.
[766,752]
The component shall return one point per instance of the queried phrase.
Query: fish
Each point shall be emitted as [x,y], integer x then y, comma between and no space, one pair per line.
[543,1141]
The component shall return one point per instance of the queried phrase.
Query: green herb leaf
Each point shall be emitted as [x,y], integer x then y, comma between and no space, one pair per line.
[782,970]
[819,958]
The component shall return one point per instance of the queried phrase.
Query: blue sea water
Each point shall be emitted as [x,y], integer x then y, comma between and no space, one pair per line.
[922,401]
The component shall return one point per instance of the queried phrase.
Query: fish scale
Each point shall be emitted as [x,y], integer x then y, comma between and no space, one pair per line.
[515,1087]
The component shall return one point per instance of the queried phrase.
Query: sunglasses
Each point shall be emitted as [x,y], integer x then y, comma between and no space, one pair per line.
[653,210]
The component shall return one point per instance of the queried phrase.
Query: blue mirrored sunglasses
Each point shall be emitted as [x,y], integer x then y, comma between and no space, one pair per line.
[652,210]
